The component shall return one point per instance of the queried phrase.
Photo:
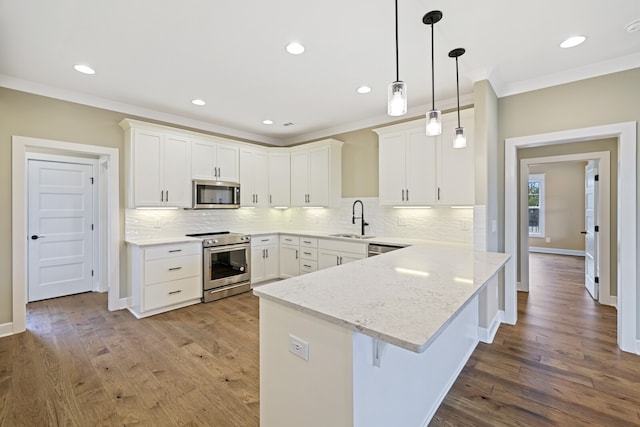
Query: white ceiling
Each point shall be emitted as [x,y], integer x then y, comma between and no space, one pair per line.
[152,57]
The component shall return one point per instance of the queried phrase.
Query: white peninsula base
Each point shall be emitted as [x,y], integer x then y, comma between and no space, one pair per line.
[340,384]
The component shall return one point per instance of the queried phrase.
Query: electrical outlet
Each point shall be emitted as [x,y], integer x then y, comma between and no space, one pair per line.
[402,222]
[548,240]
[299,347]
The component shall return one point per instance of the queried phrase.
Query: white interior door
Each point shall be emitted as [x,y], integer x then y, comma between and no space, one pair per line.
[591,244]
[60,209]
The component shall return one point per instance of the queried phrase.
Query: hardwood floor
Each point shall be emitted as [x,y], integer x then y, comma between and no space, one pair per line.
[81,365]
[559,365]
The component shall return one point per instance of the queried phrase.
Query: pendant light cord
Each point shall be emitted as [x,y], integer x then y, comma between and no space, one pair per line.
[458,91]
[397,62]
[433,89]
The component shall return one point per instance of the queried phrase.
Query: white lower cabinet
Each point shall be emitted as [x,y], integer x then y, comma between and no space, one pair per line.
[264,258]
[289,256]
[338,252]
[308,254]
[164,277]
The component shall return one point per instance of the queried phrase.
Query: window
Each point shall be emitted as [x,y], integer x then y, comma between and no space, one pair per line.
[536,205]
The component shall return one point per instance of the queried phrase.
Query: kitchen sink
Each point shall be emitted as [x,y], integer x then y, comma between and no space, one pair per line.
[351,236]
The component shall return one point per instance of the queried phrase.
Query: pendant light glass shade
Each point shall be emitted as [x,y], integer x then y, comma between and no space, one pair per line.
[434,123]
[459,139]
[434,117]
[397,99]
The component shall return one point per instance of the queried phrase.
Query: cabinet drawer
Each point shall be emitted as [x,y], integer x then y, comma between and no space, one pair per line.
[264,240]
[309,242]
[175,250]
[174,292]
[307,266]
[289,240]
[165,270]
[342,246]
[308,253]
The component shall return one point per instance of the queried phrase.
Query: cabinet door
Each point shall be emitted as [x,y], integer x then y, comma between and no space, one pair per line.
[261,178]
[346,257]
[457,168]
[203,155]
[299,178]
[279,179]
[327,259]
[318,177]
[227,161]
[247,192]
[271,262]
[177,180]
[257,264]
[421,168]
[147,169]
[392,170]
[289,264]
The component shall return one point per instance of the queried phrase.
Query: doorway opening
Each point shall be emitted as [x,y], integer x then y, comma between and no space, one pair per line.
[627,288]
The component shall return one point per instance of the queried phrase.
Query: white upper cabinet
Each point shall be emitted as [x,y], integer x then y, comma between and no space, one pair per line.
[279,178]
[214,161]
[418,170]
[457,170]
[254,176]
[316,174]
[407,172]
[157,168]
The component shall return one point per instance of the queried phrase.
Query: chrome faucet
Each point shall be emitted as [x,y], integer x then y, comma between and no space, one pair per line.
[363,223]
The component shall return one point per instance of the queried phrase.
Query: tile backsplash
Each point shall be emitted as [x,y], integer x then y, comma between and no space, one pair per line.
[438,223]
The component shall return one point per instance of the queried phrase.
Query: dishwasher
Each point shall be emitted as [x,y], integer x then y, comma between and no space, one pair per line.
[378,249]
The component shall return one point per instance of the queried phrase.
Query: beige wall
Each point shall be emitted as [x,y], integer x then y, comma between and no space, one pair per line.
[563,205]
[359,163]
[612,98]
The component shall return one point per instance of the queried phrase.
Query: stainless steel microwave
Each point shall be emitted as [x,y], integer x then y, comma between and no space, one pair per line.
[215,195]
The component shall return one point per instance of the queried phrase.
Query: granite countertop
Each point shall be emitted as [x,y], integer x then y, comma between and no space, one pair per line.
[405,297]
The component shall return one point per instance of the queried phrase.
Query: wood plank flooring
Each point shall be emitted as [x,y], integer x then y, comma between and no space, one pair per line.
[81,365]
[559,365]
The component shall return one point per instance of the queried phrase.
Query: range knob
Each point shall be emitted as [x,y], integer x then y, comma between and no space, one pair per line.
[215,240]
[209,242]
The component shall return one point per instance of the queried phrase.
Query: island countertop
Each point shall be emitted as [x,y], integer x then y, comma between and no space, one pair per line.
[405,297]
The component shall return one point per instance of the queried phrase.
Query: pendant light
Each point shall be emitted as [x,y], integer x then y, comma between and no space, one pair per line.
[434,117]
[459,138]
[397,92]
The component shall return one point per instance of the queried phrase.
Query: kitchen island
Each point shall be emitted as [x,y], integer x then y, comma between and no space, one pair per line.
[376,342]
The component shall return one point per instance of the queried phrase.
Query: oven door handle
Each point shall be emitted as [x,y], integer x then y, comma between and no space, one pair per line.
[218,249]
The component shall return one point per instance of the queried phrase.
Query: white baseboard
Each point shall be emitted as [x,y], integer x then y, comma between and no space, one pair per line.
[486,335]
[573,252]
[124,303]
[6,329]
[638,347]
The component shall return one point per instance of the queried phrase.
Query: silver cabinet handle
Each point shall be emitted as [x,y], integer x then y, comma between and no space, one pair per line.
[296,254]
[175,250]
[306,265]
[264,240]
[438,193]
[161,195]
[175,268]
[267,250]
[403,194]
[263,254]
[270,198]
[175,292]
[256,198]
[337,260]
[307,253]
[307,242]
[407,194]
[167,196]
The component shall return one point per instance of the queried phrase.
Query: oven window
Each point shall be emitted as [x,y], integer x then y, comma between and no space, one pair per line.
[209,195]
[228,263]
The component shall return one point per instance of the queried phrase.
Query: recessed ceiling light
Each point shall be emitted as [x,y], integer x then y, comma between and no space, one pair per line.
[295,48]
[572,42]
[198,102]
[363,89]
[267,122]
[634,26]
[85,69]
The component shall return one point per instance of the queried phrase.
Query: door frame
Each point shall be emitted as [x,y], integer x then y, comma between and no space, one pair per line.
[109,214]
[96,243]
[627,237]
[604,260]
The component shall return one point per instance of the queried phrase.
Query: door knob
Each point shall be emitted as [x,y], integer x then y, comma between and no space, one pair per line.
[583,232]
[36,237]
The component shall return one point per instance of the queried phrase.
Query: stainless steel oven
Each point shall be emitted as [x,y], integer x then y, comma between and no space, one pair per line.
[226,263]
